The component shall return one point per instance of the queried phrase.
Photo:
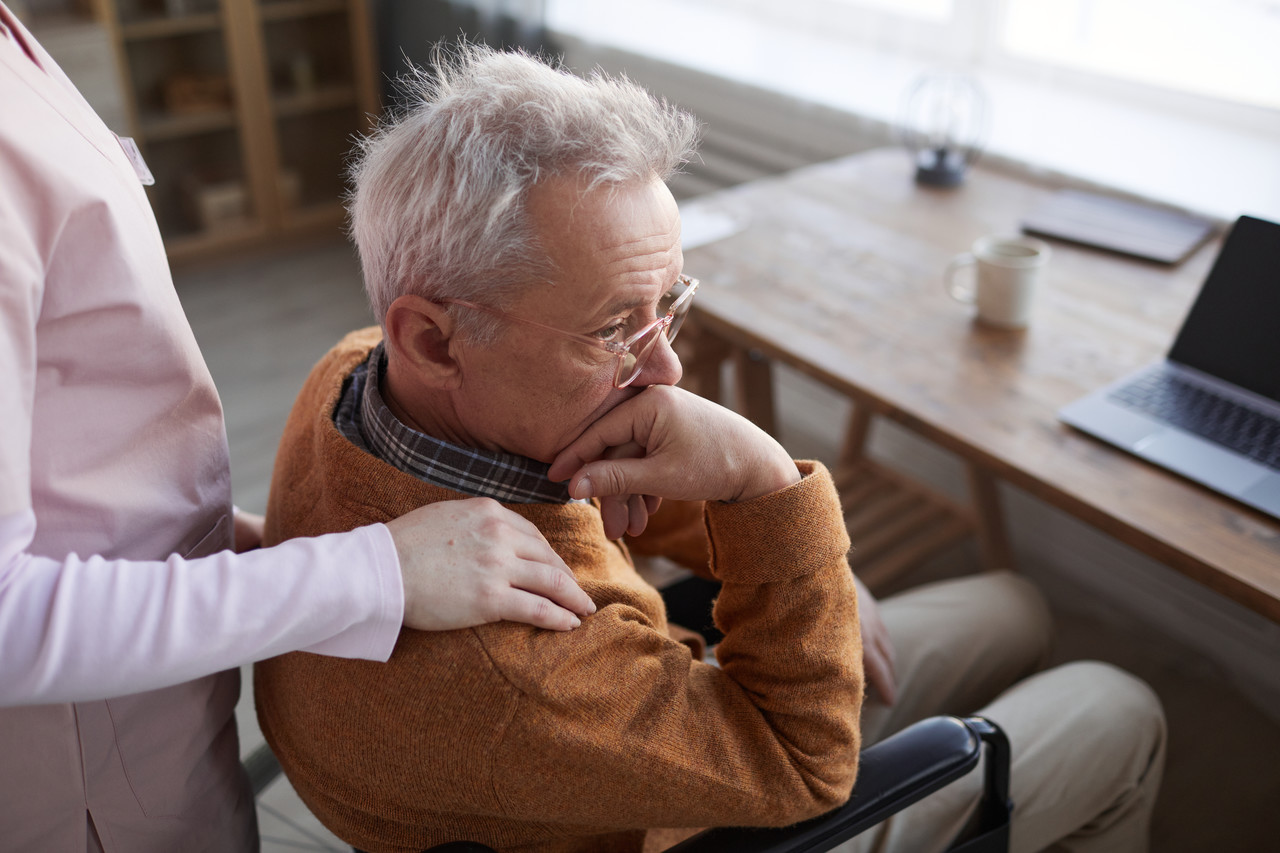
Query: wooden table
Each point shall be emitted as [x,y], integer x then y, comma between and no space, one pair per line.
[837,273]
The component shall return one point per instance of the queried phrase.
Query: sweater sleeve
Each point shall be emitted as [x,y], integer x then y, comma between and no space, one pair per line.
[77,629]
[678,532]
[641,735]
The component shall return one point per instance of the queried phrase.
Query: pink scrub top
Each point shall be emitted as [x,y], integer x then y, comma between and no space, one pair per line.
[118,595]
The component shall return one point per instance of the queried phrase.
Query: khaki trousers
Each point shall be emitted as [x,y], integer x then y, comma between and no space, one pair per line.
[1088,739]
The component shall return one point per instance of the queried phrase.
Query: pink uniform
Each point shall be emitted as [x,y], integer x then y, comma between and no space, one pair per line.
[115,514]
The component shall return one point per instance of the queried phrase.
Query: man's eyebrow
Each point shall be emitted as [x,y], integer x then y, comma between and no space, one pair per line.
[624,305]
[628,303]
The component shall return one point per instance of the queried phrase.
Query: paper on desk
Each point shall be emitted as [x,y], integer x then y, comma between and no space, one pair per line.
[700,225]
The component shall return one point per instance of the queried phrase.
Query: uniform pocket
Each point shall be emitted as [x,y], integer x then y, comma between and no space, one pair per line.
[177,742]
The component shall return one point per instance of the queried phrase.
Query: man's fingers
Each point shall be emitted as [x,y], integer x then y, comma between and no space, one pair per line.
[591,445]
[613,477]
[637,515]
[623,425]
[615,515]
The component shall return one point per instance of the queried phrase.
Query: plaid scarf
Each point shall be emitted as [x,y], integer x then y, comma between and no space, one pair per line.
[364,419]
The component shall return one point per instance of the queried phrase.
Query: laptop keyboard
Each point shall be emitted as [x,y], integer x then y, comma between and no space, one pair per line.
[1190,407]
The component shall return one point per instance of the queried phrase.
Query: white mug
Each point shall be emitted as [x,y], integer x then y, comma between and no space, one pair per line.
[1006,277]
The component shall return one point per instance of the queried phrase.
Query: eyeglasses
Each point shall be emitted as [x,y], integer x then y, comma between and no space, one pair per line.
[635,350]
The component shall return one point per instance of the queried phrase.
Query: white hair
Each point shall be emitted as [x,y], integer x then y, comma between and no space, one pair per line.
[438,207]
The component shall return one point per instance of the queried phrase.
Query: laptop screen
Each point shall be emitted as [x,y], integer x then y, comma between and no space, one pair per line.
[1233,329]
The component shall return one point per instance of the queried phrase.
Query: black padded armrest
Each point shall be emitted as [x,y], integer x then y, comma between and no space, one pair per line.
[893,774]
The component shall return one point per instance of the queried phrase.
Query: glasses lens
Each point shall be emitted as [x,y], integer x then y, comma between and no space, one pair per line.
[630,365]
[677,321]
[675,302]
[683,292]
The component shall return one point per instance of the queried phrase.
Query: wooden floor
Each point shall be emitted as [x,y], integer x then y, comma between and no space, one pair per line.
[263,321]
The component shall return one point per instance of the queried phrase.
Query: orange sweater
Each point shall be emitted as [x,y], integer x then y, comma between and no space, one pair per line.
[535,740]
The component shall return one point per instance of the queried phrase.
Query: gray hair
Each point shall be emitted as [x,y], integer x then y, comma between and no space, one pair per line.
[438,207]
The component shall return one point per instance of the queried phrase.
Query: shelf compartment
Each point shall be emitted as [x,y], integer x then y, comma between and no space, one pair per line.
[291,104]
[165,27]
[201,186]
[317,216]
[281,10]
[309,54]
[202,244]
[315,148]
[163,128]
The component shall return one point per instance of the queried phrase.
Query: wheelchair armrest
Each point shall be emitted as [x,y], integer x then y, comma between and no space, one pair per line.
[893,774]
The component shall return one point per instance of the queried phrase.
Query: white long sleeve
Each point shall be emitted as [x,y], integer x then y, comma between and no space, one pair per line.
[78,629]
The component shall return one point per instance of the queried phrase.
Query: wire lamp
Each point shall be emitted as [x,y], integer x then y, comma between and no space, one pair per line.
[944,120]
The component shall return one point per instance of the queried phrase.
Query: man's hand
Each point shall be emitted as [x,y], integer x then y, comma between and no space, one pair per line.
[470,562]
[248,527]
[668,443]
[626,513]
[877,650]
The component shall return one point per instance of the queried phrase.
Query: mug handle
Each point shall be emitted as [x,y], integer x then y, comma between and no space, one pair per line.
[957,291]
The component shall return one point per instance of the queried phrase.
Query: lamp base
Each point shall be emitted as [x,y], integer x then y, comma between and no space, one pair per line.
[940,167]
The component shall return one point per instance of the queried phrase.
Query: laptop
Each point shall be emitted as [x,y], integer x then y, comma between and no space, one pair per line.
[1211,410]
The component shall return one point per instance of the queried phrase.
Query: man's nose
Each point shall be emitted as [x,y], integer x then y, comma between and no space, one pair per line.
[662,368]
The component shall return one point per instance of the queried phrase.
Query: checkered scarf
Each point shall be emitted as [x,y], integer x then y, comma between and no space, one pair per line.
[364,419]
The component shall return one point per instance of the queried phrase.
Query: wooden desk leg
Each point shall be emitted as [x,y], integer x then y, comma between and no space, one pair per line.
[854,449]
[993,541]
[753,376]
[702,354]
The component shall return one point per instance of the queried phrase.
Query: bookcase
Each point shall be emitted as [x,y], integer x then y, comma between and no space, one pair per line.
[245,111]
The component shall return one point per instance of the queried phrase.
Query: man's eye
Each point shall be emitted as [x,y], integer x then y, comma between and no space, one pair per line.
[612,332]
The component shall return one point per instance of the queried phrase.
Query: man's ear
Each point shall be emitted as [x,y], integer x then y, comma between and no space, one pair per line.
[420,334]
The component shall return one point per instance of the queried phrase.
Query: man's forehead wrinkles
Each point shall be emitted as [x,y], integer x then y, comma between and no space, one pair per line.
[666,238]
[643,245]
[649,262]
[647,253]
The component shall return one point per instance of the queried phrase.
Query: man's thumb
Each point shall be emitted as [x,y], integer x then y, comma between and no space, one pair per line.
[608,477]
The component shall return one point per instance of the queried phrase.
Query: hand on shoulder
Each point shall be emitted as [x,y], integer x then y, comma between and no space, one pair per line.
[469,562]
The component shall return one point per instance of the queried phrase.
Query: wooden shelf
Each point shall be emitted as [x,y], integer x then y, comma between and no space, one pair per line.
[204,243]
[290,9]
[44,22]
[165,27]
[315,216]
[290,104]
[161,128]
[286,84]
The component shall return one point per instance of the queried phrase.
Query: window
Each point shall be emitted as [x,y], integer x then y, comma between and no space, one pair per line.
[1217,50]
[926,10]
[1172,100]
[1227,49]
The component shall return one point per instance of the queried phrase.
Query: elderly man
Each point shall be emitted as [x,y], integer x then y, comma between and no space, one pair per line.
[523,253]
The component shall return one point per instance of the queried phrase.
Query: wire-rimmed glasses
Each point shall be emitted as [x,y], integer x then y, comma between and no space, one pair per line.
[635,350]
